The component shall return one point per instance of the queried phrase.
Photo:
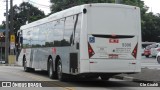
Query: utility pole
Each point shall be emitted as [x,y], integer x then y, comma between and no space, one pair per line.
[12,35]
[6,35]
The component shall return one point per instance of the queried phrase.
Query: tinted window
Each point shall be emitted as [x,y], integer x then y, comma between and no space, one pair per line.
[48,35]
[34,37]
[42,35]
[57,33]
[62,32]
[72,29]
[26,38]
[68,33]
[78,28]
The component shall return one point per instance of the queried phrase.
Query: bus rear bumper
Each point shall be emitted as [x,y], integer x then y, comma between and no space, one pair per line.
[109,66]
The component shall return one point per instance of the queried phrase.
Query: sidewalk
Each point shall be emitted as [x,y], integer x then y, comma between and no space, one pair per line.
[16,64]
[146,74]
[8,65]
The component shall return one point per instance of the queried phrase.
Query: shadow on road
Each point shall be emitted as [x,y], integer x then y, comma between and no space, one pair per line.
[85,82]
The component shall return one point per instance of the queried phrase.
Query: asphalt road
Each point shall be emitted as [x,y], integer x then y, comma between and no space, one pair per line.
[12,73]
[150,63]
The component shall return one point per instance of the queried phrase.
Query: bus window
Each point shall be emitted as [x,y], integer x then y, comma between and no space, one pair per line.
[68,31]
[58,32]
[77,31]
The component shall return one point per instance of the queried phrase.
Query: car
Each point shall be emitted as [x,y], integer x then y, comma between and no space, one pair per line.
[158,57]
[155,49]
[146,48]
[147,51]
[145,44]
[142,51]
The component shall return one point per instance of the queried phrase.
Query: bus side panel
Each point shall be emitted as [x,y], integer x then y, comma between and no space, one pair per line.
[64,57]
[138,27]
[26,53]
[84,62]
[40,57]
[20,58]
[83,38]
[28,56]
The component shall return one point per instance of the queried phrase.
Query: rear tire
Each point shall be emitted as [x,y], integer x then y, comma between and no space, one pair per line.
[147,56]
[51,73]
[50,68]
[91,77]
[61,75]
[105,77]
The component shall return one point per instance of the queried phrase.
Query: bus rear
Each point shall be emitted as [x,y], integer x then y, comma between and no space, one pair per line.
[111,39]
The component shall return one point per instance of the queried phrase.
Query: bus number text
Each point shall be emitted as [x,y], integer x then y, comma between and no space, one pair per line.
[126,44]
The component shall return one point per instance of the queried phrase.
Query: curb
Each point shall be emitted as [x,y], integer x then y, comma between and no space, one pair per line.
[127,78]
[8,65]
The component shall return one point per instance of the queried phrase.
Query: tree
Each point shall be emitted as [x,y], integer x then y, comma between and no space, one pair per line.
[151,28]
[24,13]
[58,5]
[2,26]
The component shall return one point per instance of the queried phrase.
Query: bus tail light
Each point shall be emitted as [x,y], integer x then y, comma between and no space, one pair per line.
[134,53]
[90,51]
[158,49]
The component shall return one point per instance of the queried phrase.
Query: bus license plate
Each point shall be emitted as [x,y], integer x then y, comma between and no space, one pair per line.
[113,56]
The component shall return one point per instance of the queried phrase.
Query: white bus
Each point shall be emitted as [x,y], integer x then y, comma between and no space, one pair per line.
[89,40]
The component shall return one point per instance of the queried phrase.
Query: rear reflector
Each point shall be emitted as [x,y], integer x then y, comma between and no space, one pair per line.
[134,52]
[90,51]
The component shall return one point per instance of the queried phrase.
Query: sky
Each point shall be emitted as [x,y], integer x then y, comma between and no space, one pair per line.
[41,4]
[154,6]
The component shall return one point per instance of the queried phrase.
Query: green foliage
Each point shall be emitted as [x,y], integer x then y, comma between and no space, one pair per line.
[59,5]
[2,26]
[25,12]
[151,28]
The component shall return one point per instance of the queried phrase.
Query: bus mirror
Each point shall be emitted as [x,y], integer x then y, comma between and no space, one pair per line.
[21,40]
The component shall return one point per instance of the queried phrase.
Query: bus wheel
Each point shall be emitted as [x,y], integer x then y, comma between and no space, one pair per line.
[147,56]
[50,68]
[26,69]
[61,75]
[158,59]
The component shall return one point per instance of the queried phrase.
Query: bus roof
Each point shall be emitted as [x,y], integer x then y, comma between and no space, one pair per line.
[72,11]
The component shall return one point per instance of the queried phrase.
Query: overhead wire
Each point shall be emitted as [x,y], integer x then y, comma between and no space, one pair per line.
[45,6]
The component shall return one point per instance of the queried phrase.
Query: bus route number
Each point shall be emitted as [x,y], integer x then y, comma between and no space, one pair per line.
[126,44]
